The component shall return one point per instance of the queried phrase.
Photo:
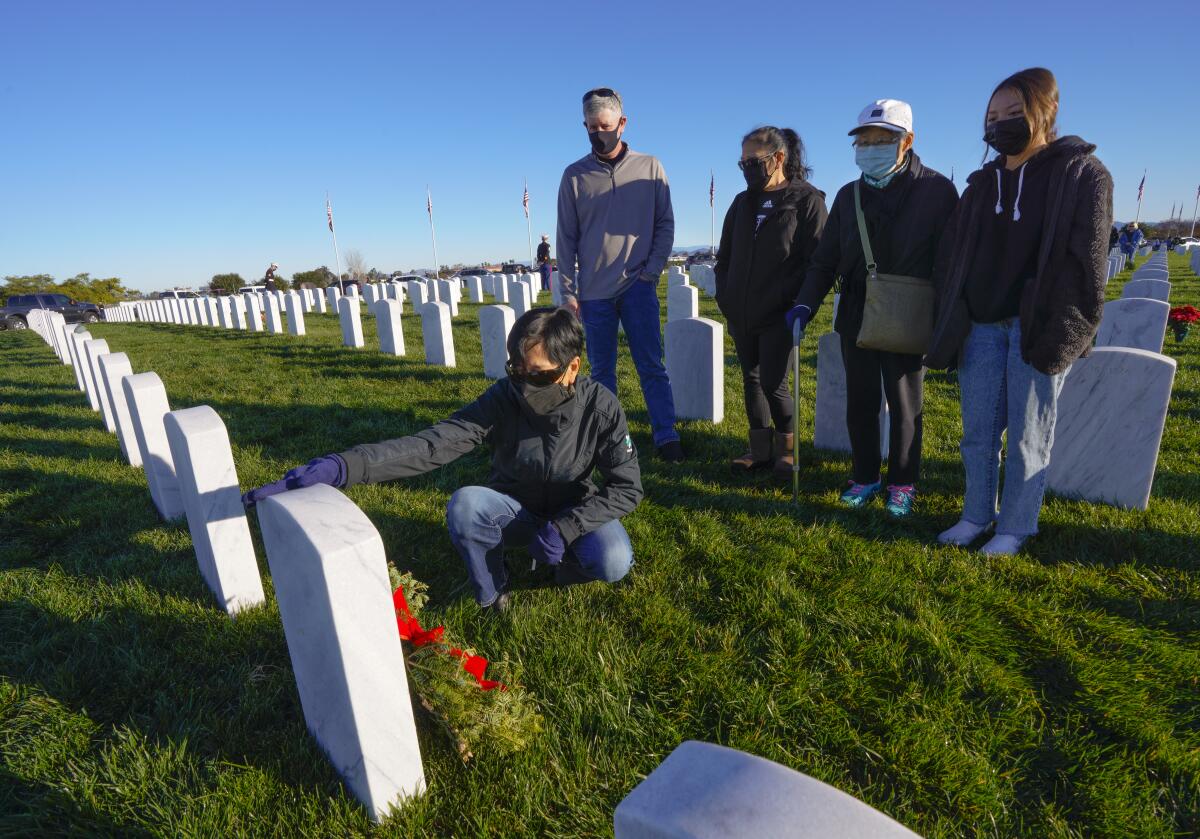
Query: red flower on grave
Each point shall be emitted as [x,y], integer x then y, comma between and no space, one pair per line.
[411,630]
[1184,315]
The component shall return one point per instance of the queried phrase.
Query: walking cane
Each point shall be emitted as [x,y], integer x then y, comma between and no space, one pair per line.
[797,335]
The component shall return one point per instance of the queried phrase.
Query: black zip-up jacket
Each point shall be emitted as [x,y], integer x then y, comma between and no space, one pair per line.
[905,221]
[1061,306]
[545,462]
[758,276]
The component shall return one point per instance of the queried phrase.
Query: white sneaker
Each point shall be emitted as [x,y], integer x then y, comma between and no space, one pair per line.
[1002,544]
[963,533]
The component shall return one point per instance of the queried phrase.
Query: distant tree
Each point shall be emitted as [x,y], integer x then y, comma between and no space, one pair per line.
[80,287]
[356,266]
[226,283]
[320,277]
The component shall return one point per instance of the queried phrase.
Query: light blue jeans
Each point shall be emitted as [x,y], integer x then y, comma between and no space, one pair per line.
[484,522]
[999,391]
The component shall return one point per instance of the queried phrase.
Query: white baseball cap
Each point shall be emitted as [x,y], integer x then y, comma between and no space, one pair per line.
[891,114]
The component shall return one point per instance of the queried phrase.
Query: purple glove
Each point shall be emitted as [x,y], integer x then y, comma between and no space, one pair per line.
[547,545]
[798,314]
[329,469]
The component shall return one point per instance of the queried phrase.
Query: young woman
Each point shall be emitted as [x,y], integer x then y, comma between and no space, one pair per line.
[905,209]
[770,231]
[1021,291]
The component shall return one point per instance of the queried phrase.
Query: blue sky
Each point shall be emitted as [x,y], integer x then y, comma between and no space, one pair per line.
[166,142]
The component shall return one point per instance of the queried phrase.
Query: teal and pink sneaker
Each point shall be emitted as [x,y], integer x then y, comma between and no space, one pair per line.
[900,500]
[859,495]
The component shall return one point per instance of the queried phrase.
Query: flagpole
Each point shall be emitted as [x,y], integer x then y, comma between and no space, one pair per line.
[1194,209]
[437,270]
[1138,217]
[528,227]
[337,259]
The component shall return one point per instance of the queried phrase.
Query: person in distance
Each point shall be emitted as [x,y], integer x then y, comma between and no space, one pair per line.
[549,429]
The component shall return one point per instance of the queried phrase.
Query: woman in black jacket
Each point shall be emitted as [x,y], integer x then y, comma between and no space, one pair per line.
[770,231]
[1021,290]
[906,207]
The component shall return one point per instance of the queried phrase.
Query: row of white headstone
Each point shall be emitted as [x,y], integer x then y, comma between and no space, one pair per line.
[326,559]
[329,572]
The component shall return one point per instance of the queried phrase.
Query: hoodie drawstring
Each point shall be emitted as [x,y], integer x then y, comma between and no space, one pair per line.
[1020,186]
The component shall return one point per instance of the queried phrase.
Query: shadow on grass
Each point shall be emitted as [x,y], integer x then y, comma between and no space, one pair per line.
[31,809]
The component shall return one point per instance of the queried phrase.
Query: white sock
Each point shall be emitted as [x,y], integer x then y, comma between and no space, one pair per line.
[1003,544]
[963,533]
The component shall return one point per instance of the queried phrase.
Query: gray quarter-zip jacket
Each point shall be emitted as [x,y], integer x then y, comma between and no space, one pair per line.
[545,462]
[616,222]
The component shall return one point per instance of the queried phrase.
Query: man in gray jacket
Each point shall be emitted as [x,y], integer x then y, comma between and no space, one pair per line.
[615,232]
[549,430]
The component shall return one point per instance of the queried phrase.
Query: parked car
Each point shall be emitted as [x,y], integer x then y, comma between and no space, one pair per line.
[344,285]
[404,278]
[474,272]
[13,315]
[252,289]
[176,294]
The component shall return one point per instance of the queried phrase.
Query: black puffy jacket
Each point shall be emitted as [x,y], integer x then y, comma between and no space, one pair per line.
[905,221]
[758,276]
[545,462]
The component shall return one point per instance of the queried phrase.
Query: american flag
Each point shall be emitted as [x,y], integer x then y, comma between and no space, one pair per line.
[712,187]
[1141,186]
[429,202]
[329,213]
[525,200]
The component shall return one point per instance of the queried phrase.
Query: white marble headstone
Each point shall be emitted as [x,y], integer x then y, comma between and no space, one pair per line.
[676,276]
[147,401]
[418,293]
[683,301]
[1136,322]
[518,297]
[1111,414]
[208,484]
[705,791]
[81,337]
[73,351]
[295,313]
[320,302]
[388,326]
[351,319]
[274,316]
[696,368]
[1154,289]
[495,322]
[254,312]
[447,295]
[93,349]
[829,415]
[113,368]
[332,295]
[331,581]
[437,334]
[475,289]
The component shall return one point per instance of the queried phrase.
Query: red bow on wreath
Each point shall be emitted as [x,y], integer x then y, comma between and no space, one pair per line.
[410,630]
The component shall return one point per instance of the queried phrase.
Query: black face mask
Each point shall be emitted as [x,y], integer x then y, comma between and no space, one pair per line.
[1009,136]
[542,399]
[604,142]
[756,175]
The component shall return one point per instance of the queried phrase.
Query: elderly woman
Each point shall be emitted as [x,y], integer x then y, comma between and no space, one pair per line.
[903,206]
[769,234]
[1021,293]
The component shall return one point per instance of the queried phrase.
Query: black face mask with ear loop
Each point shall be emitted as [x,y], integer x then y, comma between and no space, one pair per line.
[604,142]
[1009,136]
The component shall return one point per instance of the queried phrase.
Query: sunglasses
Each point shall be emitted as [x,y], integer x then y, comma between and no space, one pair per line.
[599,92]
[537,378]
[750,161]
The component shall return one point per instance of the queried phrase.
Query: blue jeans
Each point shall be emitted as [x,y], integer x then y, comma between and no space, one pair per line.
[637,310]
[998,390]
[544,270]
[484,522]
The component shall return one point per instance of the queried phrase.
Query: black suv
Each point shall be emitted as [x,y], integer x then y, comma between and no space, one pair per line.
[13,315]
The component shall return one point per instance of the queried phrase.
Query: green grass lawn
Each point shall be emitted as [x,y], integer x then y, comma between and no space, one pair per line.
[1054,694]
